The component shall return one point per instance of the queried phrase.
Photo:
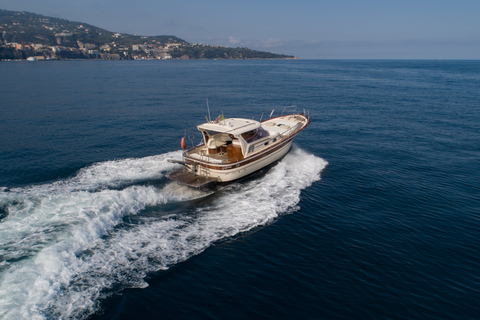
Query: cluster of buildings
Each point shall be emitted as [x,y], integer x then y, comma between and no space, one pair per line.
[153,51]
[28,36]
[112,50]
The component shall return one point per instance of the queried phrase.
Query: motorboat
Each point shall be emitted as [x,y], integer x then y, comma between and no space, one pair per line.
[233,148]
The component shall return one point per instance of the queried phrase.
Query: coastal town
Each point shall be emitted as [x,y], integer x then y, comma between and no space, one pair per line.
[107,51]
[29,36]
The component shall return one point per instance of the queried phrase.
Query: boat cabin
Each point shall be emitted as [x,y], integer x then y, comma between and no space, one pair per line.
[233,136]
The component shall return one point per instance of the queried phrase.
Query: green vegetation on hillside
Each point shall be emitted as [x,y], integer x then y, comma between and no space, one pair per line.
[24,34]
[217,52]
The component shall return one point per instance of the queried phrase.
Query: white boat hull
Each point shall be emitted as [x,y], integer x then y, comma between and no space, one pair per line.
[237,148]
[227,175]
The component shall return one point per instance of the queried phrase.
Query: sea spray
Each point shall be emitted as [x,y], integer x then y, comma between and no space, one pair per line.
[67,245]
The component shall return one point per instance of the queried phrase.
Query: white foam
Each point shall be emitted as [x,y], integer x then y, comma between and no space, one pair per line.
[65,248]
[108,174]
[177,192]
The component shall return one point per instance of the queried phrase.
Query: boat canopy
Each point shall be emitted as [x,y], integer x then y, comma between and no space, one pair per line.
[234,126]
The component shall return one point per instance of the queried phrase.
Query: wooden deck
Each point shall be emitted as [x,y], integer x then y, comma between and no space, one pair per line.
[187,178]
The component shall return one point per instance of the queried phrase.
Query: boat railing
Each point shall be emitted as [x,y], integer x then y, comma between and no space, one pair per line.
[306,113]
[287,133]
[208,159]
[193,138]
[291,109]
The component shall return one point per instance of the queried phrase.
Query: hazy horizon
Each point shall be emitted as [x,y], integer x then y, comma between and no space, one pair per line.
[306,29]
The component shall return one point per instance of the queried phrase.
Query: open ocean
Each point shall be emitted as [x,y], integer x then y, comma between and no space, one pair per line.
[374,213]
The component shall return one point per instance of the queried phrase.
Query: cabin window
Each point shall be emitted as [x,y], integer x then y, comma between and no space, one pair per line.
[256,134]
[247,135]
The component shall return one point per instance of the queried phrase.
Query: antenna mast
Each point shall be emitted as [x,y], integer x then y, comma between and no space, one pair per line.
[208,108]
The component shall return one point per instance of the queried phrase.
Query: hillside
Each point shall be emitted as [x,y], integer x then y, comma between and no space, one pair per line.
[24,35]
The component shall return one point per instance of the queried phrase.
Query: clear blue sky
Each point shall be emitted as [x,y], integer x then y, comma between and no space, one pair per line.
[309,29]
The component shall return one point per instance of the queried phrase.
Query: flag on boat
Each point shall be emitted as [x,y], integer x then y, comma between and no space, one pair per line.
[219,118]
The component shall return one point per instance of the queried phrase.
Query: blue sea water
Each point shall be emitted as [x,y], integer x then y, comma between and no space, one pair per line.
[374,214]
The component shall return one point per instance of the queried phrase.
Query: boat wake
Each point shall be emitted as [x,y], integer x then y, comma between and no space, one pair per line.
[66,245]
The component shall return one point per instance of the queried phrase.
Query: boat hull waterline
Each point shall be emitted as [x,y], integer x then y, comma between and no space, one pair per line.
[234,148]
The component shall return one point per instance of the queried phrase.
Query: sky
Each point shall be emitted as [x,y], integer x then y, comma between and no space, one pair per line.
[308,29]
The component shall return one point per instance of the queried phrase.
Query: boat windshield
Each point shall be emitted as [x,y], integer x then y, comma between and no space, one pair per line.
[256,134]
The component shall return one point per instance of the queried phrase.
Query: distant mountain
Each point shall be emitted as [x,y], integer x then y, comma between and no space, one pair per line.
[28,35]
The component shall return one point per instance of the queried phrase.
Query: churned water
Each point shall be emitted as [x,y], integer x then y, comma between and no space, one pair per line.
[374,213]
